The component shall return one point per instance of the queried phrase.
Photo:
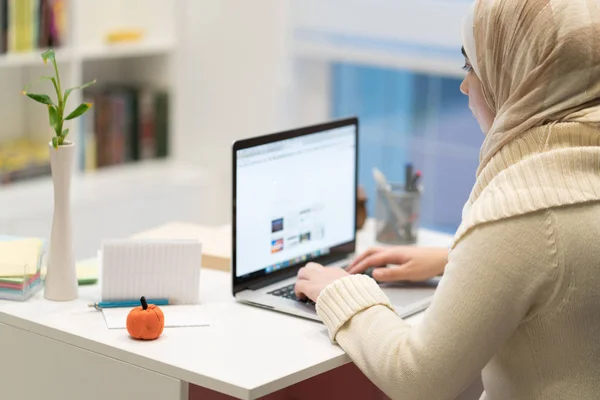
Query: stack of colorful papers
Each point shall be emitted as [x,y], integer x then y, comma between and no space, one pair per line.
[20,266]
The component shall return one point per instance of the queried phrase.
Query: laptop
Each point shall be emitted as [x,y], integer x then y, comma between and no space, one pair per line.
[294,201]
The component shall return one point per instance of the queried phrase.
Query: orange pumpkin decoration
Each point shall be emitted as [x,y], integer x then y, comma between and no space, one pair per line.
[145,322]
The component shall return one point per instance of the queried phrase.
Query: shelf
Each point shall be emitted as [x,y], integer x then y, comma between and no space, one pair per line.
[126,50]
[91,53]
[32,59]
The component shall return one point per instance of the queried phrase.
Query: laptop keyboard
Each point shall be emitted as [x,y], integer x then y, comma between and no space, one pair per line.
[288,293]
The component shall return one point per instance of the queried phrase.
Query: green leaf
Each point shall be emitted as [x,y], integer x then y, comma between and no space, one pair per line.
[43,78]
[53,114]
[56,87]
[40,98]
[64,133]
[79,111]
[85,85]
[55,142]
[48,55]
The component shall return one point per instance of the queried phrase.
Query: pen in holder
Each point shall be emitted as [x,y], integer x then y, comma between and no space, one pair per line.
[397,214]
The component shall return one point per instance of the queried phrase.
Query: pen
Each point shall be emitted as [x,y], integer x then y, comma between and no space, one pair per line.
[127,303]
[415,180]
[409,173]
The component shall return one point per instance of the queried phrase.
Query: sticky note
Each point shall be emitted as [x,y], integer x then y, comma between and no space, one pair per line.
[20,257]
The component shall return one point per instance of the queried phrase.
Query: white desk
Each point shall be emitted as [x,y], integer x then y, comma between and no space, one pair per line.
[55,351]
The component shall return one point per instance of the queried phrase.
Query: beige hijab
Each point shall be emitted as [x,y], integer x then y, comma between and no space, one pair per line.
[539,65]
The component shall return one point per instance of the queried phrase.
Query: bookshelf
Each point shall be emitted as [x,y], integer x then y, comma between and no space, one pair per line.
[126,51]
[31,59]
[84,53]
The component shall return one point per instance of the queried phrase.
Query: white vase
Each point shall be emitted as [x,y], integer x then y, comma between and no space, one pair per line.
[61,276]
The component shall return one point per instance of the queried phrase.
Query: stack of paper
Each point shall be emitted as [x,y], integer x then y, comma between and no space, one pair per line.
[155,269]
[20,261]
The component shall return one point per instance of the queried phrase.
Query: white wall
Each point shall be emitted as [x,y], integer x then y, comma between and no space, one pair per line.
[231,76]
[254,67]
[435,22]
[417,35]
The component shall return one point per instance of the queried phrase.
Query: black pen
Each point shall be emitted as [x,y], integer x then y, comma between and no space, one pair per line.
[408,178]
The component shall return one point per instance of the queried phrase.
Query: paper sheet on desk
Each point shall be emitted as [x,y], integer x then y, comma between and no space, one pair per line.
[175,316]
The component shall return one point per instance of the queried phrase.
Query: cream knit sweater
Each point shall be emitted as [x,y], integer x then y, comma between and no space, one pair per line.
[520,296]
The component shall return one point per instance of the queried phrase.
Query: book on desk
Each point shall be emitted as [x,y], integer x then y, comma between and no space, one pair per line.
[216,241]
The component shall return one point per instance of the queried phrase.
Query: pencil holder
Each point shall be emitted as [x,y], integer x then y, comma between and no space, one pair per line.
[397,214]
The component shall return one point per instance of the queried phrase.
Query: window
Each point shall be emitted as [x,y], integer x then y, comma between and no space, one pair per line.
[412,117]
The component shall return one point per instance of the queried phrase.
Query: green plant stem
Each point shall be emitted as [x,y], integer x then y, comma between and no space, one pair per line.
[56,88]
[61,106]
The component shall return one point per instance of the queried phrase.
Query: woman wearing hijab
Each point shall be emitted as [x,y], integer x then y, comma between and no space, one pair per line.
[520,297]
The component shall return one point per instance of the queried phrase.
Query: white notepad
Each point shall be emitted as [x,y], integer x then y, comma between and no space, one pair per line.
[156,269]
[175,317]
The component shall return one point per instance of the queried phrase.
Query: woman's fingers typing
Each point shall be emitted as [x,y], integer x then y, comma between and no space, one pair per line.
[375,260]
[309,269]
[358,265]
[301,288]
[393,274]
[405,263]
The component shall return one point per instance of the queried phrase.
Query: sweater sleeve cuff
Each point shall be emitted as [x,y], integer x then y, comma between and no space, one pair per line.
[346,297]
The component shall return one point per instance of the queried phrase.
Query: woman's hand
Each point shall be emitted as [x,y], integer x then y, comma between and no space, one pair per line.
[313,278]
[405,263]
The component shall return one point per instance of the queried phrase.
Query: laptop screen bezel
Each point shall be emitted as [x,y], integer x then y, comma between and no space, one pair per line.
[342,250]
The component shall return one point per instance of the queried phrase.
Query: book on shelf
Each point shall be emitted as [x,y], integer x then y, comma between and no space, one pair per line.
[127,124]
[23,159]
[29,25]
[161,123]
[146,144]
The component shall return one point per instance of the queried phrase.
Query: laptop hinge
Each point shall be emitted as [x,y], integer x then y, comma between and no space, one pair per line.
[269,280]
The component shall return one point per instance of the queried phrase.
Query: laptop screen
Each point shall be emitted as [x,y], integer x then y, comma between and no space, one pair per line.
[295,200]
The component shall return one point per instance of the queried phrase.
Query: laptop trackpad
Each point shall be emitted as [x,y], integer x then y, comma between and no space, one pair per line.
[404,294]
